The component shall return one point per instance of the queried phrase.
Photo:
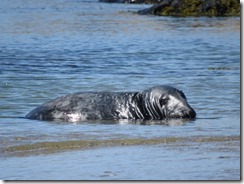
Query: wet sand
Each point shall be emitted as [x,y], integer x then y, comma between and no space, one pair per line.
[52,147]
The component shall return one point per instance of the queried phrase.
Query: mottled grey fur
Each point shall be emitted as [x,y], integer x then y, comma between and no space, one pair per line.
[160,102]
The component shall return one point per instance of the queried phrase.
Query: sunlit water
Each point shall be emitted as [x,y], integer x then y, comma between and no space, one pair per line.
[51,48]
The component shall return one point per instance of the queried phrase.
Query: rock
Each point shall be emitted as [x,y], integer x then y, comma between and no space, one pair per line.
[194,8]
[132,1]
[113,1]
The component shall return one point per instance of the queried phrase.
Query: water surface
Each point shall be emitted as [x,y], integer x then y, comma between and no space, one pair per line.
[51,48]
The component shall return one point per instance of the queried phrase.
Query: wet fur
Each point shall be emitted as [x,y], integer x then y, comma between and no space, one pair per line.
[160,102]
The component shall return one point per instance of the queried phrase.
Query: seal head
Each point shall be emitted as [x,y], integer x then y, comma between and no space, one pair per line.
[166,102]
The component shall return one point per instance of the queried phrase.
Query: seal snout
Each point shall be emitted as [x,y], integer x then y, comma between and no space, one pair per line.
[189,113]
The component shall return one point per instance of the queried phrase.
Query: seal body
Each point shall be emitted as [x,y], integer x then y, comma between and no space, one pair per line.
[160,102]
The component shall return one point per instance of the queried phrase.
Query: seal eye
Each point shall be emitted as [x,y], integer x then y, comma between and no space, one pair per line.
[163,101]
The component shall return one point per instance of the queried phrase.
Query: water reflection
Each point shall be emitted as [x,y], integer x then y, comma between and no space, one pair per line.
[168,122]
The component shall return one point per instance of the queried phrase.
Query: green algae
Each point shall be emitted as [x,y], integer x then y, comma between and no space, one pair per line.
[52,147]
[185,8]
[190,7]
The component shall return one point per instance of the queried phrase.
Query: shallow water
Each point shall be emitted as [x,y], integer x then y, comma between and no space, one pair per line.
[191,161]
[51,48]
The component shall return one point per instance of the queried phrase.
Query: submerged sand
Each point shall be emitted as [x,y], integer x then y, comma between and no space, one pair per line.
[52,147]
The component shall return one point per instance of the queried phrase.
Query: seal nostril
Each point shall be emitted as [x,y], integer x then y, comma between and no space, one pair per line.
[189,113]
[192,113]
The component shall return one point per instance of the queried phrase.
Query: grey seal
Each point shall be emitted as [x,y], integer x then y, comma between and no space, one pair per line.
[157,103]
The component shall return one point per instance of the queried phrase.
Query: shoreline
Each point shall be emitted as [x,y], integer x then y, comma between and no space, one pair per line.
[56,147]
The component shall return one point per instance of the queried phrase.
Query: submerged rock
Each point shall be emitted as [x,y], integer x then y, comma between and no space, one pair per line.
[194,8]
